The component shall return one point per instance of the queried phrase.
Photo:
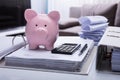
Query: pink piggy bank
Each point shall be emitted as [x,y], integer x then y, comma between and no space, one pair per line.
[41,29]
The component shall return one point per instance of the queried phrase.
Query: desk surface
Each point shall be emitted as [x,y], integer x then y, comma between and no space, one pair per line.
[17,74]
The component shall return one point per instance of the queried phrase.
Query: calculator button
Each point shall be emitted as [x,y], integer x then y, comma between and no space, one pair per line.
[67,48]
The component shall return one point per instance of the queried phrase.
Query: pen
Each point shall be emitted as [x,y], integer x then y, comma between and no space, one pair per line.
[83,49]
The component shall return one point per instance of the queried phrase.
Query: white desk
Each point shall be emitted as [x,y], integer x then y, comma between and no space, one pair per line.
[17,74]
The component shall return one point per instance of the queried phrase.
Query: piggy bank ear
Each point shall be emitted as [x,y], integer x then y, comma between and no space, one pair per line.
[29,14]
[54,15]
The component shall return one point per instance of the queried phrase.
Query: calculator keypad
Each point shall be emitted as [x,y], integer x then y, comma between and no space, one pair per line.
[67,48]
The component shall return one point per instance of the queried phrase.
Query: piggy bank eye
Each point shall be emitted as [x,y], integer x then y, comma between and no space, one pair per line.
[36,25]
[45,25]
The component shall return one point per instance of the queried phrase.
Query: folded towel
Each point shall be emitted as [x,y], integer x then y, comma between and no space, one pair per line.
[95,38]
[98,32]
[96,35]
[87,20]
[92,34]
[95,27]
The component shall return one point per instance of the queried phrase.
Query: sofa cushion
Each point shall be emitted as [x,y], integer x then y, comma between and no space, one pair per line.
[73,31]
[107,10]
[117,17]
[87,10]
[70,22]
[75,11]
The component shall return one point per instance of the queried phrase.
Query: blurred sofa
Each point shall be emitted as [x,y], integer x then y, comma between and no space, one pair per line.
[71,26]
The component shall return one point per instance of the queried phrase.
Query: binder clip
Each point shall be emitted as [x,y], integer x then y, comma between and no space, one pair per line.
[103,59]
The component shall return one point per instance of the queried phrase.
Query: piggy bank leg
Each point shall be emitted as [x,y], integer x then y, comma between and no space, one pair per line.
[49,46]
[33,46]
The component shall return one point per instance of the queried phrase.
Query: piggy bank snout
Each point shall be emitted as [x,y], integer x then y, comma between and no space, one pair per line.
[43,30]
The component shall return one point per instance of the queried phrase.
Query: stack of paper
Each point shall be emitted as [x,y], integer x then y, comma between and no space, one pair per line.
[115,61]
[45,59]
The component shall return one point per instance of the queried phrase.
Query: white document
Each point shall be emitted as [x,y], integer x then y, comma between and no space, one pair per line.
[43,54]
[111,37]
[45,59]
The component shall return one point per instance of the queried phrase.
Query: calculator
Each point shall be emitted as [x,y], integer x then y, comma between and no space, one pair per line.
[66,48]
